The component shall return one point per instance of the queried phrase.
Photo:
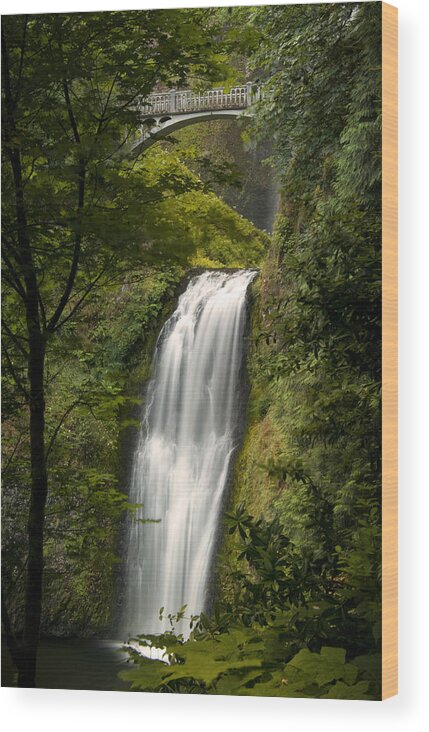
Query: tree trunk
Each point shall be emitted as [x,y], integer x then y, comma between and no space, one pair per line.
[36,515]
[36,364]
[38,330]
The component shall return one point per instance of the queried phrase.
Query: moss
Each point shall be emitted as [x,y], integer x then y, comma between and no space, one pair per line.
[262,439]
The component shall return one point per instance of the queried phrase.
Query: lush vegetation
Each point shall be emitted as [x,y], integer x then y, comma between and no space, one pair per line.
[95,250]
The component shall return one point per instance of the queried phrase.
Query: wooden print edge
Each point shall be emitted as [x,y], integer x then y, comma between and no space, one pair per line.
[389,351]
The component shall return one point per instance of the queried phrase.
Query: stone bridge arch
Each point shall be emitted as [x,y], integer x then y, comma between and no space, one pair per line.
[164,113]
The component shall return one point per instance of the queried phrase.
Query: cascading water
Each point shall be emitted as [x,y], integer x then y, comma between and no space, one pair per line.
[181,465]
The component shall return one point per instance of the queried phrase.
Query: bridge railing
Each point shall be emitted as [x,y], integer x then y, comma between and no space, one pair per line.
[182,102]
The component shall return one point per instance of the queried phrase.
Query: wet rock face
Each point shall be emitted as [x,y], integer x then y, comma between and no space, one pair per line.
[260,197]
[257,196]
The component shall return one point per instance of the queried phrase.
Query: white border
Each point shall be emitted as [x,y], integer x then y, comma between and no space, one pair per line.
[72,711]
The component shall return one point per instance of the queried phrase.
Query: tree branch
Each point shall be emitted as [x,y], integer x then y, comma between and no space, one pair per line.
[87,291]
[14,280]
[5,468]
[53,322]
[15,376]
[26,261]
[69,108]
[59,425]
[102,118]
[15,339]
[21,60]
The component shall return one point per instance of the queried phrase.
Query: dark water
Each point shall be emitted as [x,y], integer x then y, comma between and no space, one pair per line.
[74,664]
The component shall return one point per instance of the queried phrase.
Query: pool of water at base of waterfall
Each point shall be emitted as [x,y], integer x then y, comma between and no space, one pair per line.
[74,664]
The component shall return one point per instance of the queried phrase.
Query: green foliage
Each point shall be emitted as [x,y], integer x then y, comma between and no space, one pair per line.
[202,662]
[321,69]
[195,227]
[273,644]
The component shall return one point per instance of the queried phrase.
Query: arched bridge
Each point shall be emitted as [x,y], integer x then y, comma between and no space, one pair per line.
[163,113]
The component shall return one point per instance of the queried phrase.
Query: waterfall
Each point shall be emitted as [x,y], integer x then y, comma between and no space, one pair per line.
[188,436]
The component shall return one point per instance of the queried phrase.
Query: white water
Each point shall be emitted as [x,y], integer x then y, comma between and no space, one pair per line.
[181,465]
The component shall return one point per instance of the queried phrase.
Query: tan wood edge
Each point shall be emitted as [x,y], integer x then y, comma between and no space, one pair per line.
[389,351]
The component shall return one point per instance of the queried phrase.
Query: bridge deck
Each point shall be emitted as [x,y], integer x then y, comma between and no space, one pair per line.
[187,101]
